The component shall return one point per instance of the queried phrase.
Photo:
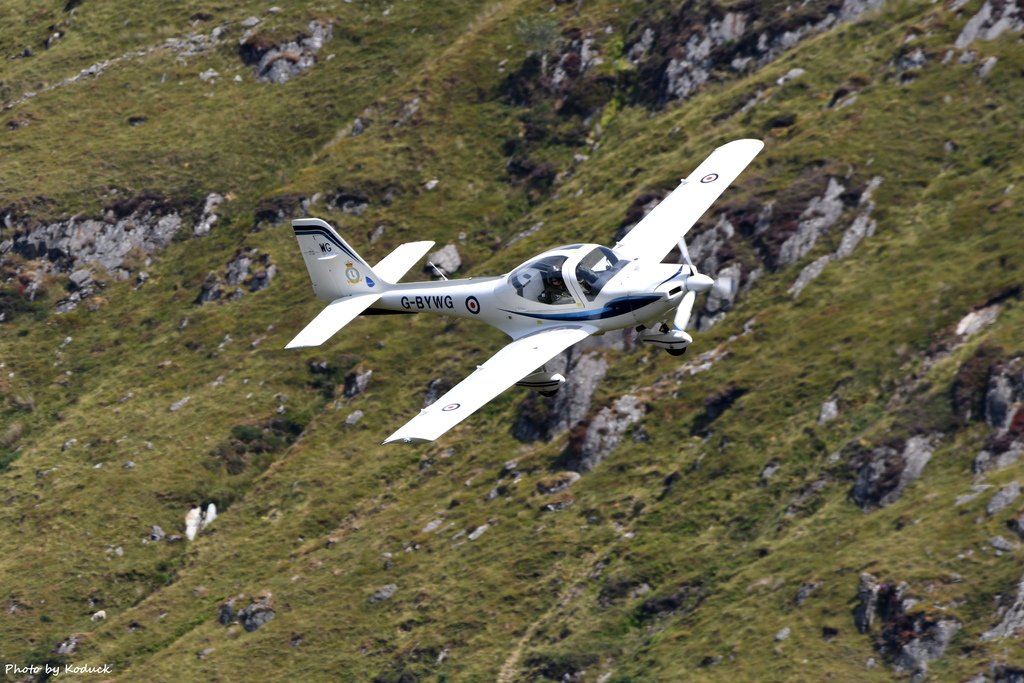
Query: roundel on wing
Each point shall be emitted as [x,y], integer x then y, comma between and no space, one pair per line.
[709,178]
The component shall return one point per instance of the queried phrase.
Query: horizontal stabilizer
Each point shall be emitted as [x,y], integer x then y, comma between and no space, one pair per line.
[338,313]
[397,263]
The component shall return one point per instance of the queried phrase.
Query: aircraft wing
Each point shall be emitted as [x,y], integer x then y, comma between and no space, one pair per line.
[396,264]
[338,313]
[660,230]
[502,370]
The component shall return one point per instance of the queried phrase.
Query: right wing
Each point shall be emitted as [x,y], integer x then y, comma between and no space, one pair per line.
[338,313]
[669,221]
[502,370]
[396,264]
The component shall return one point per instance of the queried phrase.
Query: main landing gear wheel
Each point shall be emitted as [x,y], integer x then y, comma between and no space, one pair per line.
[677,352]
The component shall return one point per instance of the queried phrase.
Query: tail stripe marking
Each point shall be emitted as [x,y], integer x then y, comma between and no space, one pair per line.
[313,230]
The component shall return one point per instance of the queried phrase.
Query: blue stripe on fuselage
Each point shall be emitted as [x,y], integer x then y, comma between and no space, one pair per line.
[614,308]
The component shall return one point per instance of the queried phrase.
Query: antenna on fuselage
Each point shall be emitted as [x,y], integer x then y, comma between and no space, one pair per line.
[440,273]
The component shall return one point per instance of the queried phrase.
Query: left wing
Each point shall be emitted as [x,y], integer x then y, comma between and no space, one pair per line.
[668,222]
[502,370]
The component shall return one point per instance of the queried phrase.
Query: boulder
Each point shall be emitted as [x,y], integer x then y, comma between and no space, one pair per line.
[884,473]
[1013,619]
[384,593]
[446,259]
[1003,498]
[258,612]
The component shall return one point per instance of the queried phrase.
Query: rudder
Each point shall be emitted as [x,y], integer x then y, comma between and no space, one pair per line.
[335,268]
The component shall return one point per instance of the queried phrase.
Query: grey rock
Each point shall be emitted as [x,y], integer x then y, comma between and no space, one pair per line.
[558,505]
[356,383]
[540,418]
[156,533]
[930,644]
[991,21]
[280,63]
[354,418]
[445,259]
[209,215]
[976,321]
[68,646]
[986,67]
[790,75]
[829,411]
[478,532]
[867,603]
[179,404]
[204,653]
[604,433]
[1000,543]
[432,525]
[976,491]
[208,76]
[1004,673]
[809,273]
[987,461]
[226,614]
[384,593]
[805,591]
[1003,498]
[886,472]
[782,634]
[1013,618]
[557,483]
[1005,390]
[436,388]
[819,216]
[257,613]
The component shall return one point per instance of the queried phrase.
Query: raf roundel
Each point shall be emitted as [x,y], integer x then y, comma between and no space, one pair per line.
[472,305]
[709,178]
[451,406]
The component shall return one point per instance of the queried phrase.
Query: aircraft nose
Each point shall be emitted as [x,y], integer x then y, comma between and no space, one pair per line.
[699,283]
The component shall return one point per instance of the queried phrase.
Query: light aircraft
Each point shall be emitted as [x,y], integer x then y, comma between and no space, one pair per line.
[546,305]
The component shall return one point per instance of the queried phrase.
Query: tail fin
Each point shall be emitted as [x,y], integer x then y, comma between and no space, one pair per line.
[334,267]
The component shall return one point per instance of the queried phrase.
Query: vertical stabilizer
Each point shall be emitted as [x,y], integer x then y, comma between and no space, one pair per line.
[334,267]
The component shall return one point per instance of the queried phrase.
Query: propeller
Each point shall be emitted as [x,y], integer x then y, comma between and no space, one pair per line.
[723,286]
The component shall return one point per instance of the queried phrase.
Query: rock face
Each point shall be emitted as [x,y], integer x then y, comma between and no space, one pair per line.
[257,613]
[884,473]
[1013,619]
[907,641]
[542,419]
[246,271]
[674,56]
[991,21]
[591,443]
[279,63]
[119,241]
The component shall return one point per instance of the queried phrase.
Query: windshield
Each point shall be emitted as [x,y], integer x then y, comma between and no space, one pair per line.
[596,269]
[541,280]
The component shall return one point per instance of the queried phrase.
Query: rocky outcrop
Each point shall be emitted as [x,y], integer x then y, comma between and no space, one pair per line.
[590,443]
[258,612]
[907,640]
[280,62]
[673,57]
[991,21]
[863,226]
[1003,410]
[1013,618]
[714,407]
[541,418]
[247,271]
[883,473]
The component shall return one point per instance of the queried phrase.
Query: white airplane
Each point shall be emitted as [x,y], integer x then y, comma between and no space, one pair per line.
[546,305]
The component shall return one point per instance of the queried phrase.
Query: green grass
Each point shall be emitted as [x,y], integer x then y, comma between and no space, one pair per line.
[326,520]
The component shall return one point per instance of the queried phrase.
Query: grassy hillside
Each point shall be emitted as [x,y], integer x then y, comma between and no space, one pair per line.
[724,535]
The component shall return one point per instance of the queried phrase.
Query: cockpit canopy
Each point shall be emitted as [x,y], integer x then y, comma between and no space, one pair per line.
[565,274]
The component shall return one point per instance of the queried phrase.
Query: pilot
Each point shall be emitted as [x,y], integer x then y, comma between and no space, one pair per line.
[554,289]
